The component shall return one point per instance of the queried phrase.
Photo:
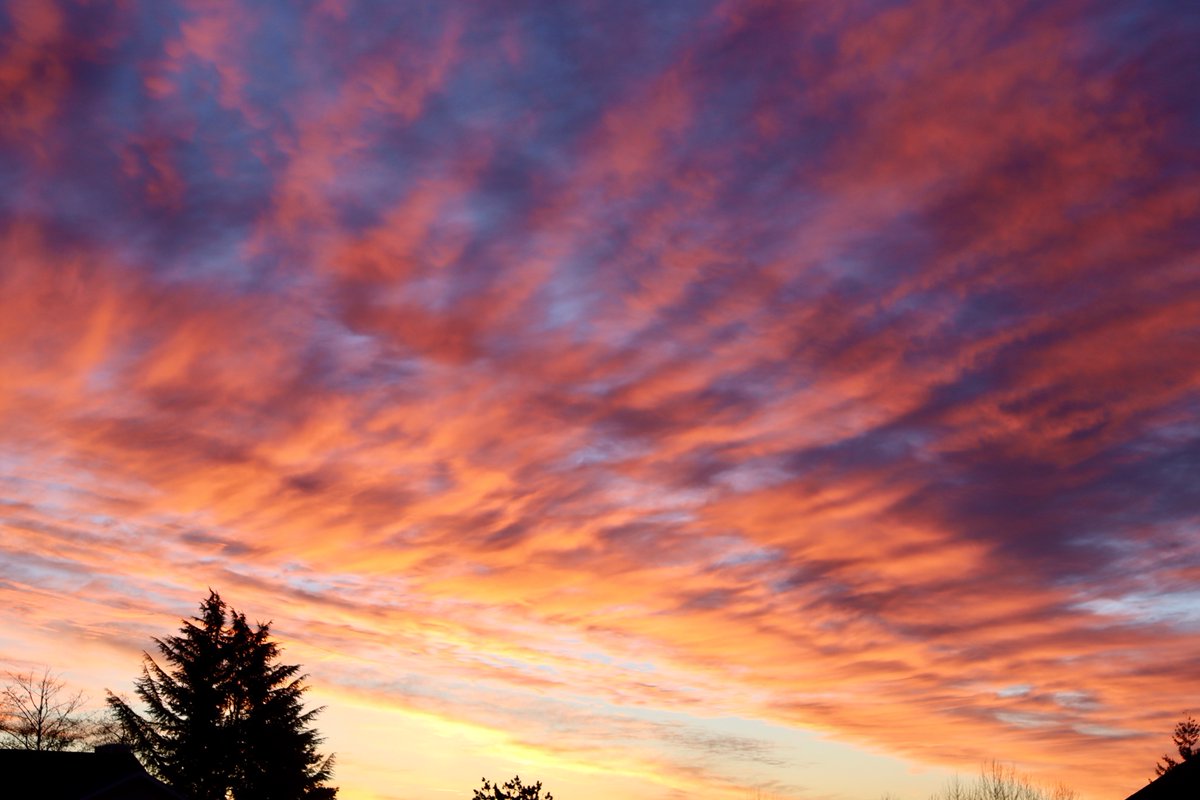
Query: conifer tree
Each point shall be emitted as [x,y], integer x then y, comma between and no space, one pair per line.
[225,720]
[1186,738]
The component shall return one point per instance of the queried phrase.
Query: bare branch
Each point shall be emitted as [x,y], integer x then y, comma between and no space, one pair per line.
[37,713]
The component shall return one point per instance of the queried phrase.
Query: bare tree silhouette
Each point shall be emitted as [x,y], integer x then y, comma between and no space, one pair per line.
[37,713]
[999,782]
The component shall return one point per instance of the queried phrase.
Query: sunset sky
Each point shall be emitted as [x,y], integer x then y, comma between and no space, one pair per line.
[663,399]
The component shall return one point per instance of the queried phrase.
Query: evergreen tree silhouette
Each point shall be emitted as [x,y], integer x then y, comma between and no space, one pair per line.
[225,720]
[1185,737]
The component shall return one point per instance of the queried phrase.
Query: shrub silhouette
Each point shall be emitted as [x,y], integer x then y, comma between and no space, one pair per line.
[511,790]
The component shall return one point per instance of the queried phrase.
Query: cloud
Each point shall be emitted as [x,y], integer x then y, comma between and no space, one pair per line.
[834,367]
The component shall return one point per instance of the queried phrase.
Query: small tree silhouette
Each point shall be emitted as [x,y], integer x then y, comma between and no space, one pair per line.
[37,713]
[1185,737]
[511,790]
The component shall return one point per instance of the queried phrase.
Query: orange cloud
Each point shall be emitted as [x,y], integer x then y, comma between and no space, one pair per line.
[586,385]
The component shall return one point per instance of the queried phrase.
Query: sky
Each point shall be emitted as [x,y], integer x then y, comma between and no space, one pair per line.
[741,399]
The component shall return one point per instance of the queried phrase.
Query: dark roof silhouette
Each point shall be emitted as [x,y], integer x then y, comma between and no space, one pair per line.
[110,773]
[1179,783]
